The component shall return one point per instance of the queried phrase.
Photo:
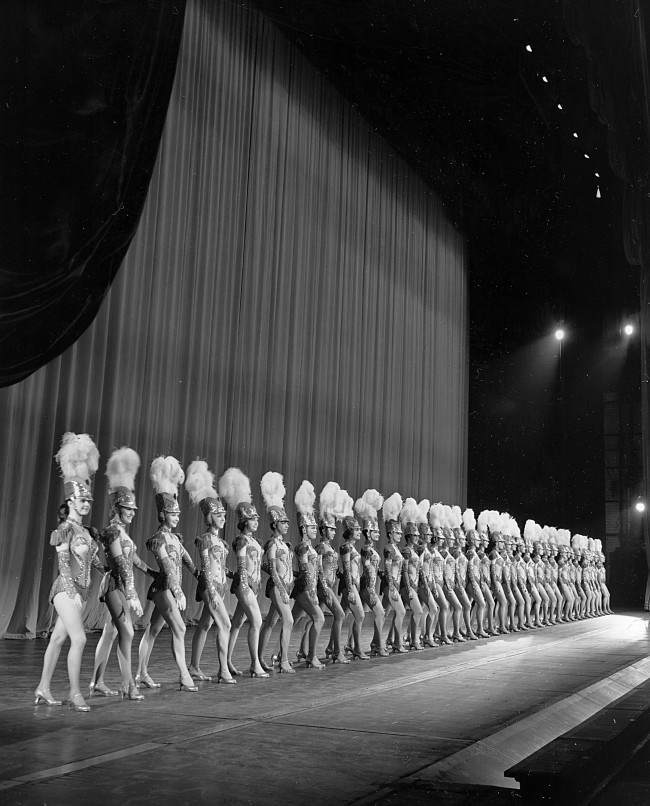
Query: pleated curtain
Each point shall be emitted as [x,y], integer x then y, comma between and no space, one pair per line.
[294,299]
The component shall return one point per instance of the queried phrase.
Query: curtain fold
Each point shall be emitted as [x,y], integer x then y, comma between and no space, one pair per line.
[294,299]
[85,92]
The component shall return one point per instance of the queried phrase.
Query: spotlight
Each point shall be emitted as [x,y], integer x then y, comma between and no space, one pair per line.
[560,334]
[575,134]
[628,329]
[560,107]
[529,48]
[545,80]
[640,506]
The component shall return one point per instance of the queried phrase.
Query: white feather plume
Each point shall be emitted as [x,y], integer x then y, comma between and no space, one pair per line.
[78,457]
[424,505]
[410,512]
[529,530]
[469,521]
[305,497]
[363,509]
[436,515]
[344,505]
[235,487]
[327,499]
[483,520]
[374,498]
[166,474]
[121,468]
[273,490]
[199,481]
[392,507]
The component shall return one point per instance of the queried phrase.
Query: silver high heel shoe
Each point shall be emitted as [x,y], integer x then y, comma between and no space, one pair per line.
[77,703]
[101,688]
[41,695]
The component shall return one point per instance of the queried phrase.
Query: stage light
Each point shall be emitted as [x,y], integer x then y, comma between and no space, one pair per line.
[587,156]
[529,48]
[560,334]
[560,107]
[575,134]
[640,506]
[596,174]
[545,80]
[628,329]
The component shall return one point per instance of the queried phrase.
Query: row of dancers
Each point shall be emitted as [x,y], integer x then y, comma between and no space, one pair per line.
[445,576]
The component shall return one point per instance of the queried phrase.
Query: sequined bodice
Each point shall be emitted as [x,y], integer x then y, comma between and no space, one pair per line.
[217,555]
[393,562]
[329,563]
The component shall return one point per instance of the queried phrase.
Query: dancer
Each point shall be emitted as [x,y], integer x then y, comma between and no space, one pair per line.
[305,588]
[425,578]
[76,553]
[392,578]
[350,574]
[473,571]
[277,562]
[530,534]
[366,508]
[120,595]
[328,569]
[235,489]
[450,572]
[496,570]
[564,578]
[166,592]
[436,515]
[540,577]
[410,516]
[601,577]
[458,553]
[520,578]
[212,580]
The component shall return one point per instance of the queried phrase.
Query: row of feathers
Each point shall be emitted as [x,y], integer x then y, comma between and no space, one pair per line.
[78,458]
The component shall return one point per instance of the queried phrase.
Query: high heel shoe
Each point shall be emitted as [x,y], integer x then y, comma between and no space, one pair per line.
[329,652]
[184,687]
[399,650]
[286,668]
[253,673]
[42,695]
[77,703]
[314,663]
[146,681]
[339,657]
[270,668]
[131,692]
[359,655]
[102,689]
[300,655]
[380,652]
[235,671]
[230,680]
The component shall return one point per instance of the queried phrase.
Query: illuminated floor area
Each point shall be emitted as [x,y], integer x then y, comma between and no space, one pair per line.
[443,723]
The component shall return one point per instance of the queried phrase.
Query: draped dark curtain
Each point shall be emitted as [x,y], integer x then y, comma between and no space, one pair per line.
[614,35]
[294,299]
[85,87]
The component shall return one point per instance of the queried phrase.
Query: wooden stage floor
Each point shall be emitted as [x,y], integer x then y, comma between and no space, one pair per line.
[439,724]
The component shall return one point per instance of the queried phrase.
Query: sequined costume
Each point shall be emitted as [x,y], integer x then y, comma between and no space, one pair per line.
[249,566]
[75,562]
[349,573]
[213,576]
[370,560]
[121,567]
[281,572]
[170,553]
[327,573]
[307,576]
[393,561]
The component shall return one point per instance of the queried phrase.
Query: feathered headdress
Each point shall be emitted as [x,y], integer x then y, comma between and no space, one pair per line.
[367,507]
[166,474]
[345,511]
[273,492]
[410,517]
[78,460]
[199,484]
[469,521]
[391,509]
[327,505]
[121,469]
[304,500]
[235,489]
[423,525]
[483,521]
[436,515]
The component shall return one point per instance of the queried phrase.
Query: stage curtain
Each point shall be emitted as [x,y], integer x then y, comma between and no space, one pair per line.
[294,299]
[85,87]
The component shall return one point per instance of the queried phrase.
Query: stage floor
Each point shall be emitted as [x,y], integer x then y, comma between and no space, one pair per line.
[442,723]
